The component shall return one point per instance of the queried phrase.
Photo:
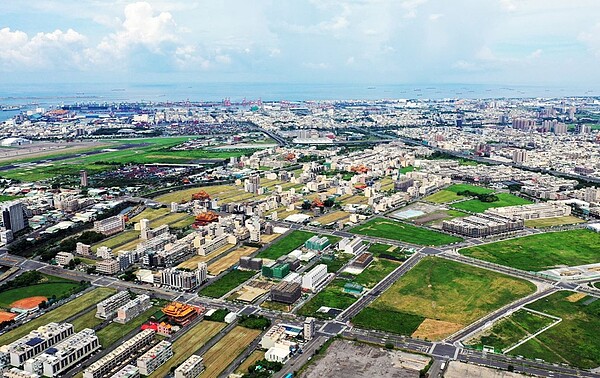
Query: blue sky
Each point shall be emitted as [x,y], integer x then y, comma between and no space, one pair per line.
[542,42]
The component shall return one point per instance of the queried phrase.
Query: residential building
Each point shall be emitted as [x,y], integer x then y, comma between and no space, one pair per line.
[111,225]
[64,355]
[36,342]
[133,308]
[13,216]
[313,279]
[482,225]
[109,266]
[83,178]
[153,358]
[17,373]
[309,328]
[108,307]
[286,292]
[121,354]
[190,368]
[129,371]
[519,156]
[183,279]
[83,249]
[63,258]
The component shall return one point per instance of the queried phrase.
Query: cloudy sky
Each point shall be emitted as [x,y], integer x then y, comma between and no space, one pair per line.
[364,41]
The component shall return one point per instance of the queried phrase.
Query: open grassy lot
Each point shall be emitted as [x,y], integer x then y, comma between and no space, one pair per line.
[541,251]
[121,239]
[230,260]
[389,229]
[388,320]
[225,193]
[285,245]
[510,330]
[445,291]
[217,358]
[375,272]
[257,355]
[60,314]
[331,296]
[226,283]
[504,199]
[549,222]
[50,285]
[187,344]
[333,216]
[114,331]
[192,263]
[389,252]
[335,264]
[87,320]
[450,193]
[574,340]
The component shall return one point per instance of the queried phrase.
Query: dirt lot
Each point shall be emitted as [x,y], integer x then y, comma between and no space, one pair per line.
[461,370]
[347,359]
[435,329]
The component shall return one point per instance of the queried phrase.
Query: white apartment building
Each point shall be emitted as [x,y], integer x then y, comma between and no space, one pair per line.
[122,353]
[180,279]
[111,225]
[108,266]
[313,279]
[63,258]
[206,246]
[17,373]
[64,355]
[190,368]
[354,246]
[533,211]
[36,342]
[133,308]
[153,358]
[129,371]
[83,249]
[108,307]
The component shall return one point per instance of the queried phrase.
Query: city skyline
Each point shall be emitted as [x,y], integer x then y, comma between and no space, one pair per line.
[414,41]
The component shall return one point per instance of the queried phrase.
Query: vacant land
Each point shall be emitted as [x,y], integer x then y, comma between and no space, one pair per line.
[388,252]
[542,251]
[187,344]
[50,285]
[477,206]
[375,272]
[574,340]
[450,193]
[192,263]
[285,245]
[550,222]
[441,290]
[217,358]
[86,320]
[389,229]
[332,217]
[225,193]
[119,240]
[59,314]
[229,260]
[114,331]
[510,330]
[331,296]
[257,355]
[226,283]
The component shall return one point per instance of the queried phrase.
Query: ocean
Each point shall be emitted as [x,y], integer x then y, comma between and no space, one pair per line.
[47,95]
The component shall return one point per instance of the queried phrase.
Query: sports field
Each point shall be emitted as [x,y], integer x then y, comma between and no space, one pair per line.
[285,245]
[574,340]
[217,358]
[541,251]
[189,343]
[450,193]
[550,222]
[50,285]
[477,206]
[390,229]
[448,294]
[227,283]
[510,330]
[60,314]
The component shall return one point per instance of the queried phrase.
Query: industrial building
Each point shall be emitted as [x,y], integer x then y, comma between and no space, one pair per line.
[190,368]
[108,307]
[354,246]
[317,243]
[363,260]
[64,355]
[276,271]
[111,225]
[36,342]
[482,225]
[133,308]
[313,279]
[286,292]
[153,358]
[250,263]
[121,354]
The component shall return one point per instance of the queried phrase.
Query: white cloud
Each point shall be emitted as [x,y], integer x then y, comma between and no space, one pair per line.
[591,38]
[435,16]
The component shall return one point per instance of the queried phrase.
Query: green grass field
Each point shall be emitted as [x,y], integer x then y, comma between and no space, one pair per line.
[117,240]
[389,229]
[285,245]
[446,291]
[541,251]
[114,331]
[226,283]
[388,320]
[375,272]
[574,340]
[387,251]
[59,314]
[550,222]
[450,193]
[49,286]
[510,330]
[336,264]
[87,320]
[504,199]
[331,296]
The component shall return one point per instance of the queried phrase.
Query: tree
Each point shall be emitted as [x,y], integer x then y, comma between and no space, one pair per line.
[329,202]
[306,205]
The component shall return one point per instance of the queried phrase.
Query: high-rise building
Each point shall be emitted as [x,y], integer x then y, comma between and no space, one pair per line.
[252,184]
[560,128]
[83,178]
[13,216]
[309,328]
[519,156]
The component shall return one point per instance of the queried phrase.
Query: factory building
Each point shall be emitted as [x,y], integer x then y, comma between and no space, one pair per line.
[153,358]
[108,307]
[363,260]
[354,246]
[250,263]
[122,353]
[316,243]
[532,211]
